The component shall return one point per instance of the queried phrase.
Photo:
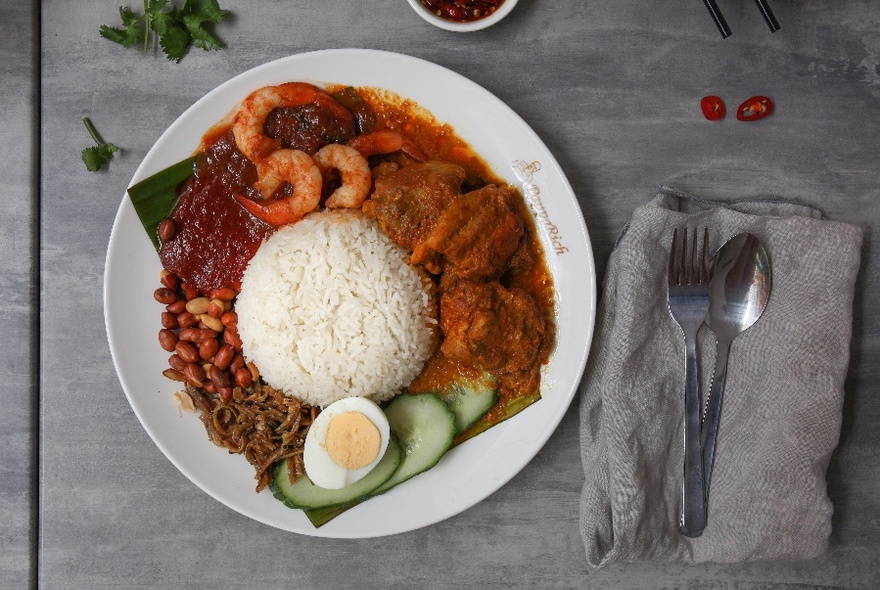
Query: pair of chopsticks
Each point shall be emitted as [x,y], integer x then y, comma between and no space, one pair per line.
[766,12]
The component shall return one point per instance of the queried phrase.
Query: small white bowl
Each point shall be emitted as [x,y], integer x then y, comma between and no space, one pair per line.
[458,27]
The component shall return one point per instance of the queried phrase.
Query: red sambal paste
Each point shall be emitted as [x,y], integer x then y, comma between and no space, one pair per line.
[463,11]
[209,221]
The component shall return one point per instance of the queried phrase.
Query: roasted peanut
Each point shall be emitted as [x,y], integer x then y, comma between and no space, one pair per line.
[164,295]
[189,291]
[219,378]
[255,372]
[187,320]
[243,377]
[167,229]
[175,362]
[195,375]
[177,308]
[167,339]
[231,337]
[223,357]
[169,279]
[187,351]
[208,348]
[216,308]
[174,375]
[211,322]
[225,394]
[224,293]
[237,363]
[169,320]
[196,334]
[198,306]
[229,318]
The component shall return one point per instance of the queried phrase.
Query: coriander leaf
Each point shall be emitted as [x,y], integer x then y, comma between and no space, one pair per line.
[176,28]
[131,34]
[208,10]
[97,156]
[174,42]
[154,7]
[198,12]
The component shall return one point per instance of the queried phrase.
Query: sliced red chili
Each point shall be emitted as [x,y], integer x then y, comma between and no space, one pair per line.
[754,108]
[713,107]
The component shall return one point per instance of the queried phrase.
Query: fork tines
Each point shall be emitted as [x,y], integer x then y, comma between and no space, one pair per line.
[684,266]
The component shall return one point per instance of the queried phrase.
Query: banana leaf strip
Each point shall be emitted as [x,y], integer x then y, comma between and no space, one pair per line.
[154,197]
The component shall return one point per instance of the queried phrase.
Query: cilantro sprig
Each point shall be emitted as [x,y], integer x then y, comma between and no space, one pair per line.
[99,155]
[176,28]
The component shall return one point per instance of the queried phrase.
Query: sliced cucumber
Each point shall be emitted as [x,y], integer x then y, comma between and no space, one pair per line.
[305,494]
[470,399]
[425,426]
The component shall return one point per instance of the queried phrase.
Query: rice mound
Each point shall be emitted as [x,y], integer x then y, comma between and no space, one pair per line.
[330,308]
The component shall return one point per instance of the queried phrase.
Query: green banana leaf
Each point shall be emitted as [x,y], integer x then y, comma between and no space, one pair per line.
[154,197]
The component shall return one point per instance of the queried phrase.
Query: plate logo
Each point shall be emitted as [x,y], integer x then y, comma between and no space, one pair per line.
[526,172]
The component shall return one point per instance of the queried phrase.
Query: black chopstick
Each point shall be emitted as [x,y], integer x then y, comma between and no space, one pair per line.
[768,15]
[718,17]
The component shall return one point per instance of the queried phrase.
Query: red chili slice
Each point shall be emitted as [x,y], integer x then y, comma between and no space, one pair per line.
[713,107]
[754,108]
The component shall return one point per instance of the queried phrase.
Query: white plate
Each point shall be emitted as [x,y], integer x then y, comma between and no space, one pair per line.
[470,472]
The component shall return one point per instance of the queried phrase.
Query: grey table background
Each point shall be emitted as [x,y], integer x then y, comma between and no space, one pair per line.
[612,86]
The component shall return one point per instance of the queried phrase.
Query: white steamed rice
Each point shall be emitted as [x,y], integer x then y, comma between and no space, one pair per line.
[330,308]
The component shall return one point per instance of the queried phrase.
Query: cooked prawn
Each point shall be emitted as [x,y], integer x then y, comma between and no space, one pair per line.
[294,167]
[355,173]
[386,141]
[247,127]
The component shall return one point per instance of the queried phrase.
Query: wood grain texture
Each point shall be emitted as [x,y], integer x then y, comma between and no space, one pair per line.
[613,88]
[18,265]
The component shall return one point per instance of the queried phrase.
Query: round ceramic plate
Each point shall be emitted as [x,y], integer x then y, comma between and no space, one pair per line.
[470,472]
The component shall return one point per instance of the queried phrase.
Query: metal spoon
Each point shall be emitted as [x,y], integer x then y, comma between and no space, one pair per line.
[739,291]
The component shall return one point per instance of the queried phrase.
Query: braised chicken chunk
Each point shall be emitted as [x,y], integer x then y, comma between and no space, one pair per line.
[408,202]
[481,255]
[492,327]
[475,237]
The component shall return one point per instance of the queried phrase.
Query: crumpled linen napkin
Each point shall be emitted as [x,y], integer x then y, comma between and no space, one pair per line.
[782,404]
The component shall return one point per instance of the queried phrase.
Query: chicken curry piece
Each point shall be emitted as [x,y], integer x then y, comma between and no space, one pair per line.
[478,247]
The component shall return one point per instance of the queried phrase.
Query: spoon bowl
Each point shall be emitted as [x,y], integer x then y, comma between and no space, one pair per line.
[738,294]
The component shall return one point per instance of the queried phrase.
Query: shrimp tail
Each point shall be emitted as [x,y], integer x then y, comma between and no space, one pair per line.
[274,212]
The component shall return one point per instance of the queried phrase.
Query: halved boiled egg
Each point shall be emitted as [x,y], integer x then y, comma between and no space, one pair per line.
[345,442]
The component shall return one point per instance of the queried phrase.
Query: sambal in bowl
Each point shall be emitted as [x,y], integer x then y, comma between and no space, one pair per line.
[462,16]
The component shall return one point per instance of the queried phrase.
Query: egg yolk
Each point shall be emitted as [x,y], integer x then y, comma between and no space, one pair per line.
[353,441]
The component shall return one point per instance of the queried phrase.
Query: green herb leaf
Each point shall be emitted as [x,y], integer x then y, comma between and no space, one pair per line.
[196,13]
[99,155]
[132,32]
[174,41]
[176,28]
[96,157]
[154,197]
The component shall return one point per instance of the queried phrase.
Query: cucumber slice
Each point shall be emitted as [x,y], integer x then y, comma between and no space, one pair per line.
[470,399]
[305,494]
[425,426]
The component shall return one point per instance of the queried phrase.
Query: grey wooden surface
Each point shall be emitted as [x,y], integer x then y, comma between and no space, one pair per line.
[19,79]
[612,86]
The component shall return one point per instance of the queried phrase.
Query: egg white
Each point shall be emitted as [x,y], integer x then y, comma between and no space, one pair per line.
[320,467]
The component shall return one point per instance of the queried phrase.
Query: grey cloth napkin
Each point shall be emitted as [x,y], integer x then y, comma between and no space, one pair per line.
[782,402]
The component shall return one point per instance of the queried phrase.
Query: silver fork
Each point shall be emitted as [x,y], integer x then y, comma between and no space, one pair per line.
[689,305]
